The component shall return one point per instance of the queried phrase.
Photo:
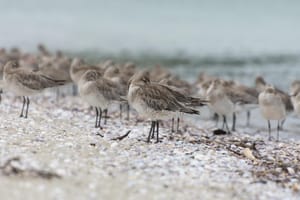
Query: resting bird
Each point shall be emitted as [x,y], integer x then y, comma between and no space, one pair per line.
[155,102]
[26,83]
[99,92]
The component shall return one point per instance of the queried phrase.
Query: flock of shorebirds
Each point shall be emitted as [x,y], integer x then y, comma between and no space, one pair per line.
[156,94]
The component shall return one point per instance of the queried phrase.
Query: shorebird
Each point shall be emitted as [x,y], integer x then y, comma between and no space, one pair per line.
[245,98]
[177,84]
[99,92]
[296,102]
[219,102]
[157,73]
[79,67]
[26,83]
[53,70]
[261,85]
[57,69]
[154,101]
[272,107]
[182,92]
[295,87]
[223,99]
[250,104]
[128,70]
[113,73]
[43,51]
[295,96]
[3,59]
[14,54]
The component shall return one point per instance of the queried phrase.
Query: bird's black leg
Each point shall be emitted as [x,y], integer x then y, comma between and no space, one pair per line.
[151,129]
[100,116]
[24,102]
[248,118]
[105,115]
[99,120]
[178,121]
[278,128]
[269,127]
[216,117]
[128,111]
[233,121]
[97,115]
[281,125]
[27,107]
[172,128]
[157,131]
[0,95]
[120,111]
[225,122]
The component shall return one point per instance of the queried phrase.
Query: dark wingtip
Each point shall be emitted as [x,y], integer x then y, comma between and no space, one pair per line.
[190,111]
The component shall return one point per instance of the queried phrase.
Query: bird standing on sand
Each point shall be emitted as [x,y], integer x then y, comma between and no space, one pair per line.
[154,102]
[243,97]
[99,92]
[181,91]
[261,84]
[219,101]
[26,83]
[272,107]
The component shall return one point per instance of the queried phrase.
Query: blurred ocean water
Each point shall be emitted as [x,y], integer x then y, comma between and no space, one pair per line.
[235,39]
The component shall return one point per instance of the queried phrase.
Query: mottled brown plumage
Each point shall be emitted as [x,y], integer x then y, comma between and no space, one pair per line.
[99,92]
[24,83]
[154,101]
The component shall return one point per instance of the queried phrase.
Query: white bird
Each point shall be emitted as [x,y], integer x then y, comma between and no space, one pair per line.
[272,107]
[219,102]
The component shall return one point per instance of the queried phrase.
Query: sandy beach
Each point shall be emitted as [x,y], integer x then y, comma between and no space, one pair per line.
[197,60]
[57,154]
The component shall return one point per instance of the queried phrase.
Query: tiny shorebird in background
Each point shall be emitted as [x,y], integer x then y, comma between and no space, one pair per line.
[99,92]
[296,102]
[295,96]
[295,87]
[243,97]
[113,73]
[182,92]
[272,107]
[223,98]
[26,83]
[154,102]
[252,100]
[219,102]
[261,84]
[77,69]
